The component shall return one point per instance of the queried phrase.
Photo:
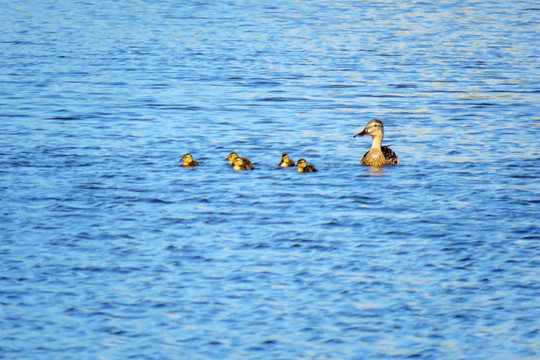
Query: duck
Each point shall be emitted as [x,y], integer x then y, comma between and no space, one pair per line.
[286,161]
[378,155]
[232,158]
[188,161]
[303,167]
[241,164]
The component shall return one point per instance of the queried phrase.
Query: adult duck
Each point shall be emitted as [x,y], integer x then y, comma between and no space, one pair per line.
[378,155]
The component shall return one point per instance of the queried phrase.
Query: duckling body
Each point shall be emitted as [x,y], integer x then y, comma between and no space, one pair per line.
[303,167]
[188,161]
[286,161]
[241,164]
[378,155]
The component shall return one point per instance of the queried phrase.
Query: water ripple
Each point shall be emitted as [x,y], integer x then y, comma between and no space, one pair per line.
[111,249]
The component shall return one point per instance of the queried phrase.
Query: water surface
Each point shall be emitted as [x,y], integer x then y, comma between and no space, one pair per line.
[110,250]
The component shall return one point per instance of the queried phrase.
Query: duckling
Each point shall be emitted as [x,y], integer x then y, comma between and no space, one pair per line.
[378,155]
[188,161]
[242,164]
[303,167]
[233,156]
[285,161]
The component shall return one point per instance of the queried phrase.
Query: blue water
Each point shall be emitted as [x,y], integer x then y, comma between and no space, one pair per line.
[111,250]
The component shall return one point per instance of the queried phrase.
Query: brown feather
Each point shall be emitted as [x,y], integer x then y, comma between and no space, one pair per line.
[381,158]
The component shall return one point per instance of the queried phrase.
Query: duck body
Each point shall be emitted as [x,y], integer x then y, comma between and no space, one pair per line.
[378,155]
[188,161]
[241,164]
[385,156]
[303,167]
[286,161]
[307,169]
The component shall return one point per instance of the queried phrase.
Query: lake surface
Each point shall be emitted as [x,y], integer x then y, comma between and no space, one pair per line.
[110,250]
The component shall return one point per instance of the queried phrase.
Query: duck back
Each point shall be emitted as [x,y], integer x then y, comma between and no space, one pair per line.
[390,156]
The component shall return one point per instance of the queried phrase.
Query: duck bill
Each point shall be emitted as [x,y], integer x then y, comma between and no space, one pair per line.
[362,133]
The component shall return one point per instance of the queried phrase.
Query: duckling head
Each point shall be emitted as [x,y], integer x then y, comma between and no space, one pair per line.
[302,163]
[187,158]
[285,157]
[232,156]
[374,128]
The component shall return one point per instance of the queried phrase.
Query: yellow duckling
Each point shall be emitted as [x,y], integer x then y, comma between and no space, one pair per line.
[286,161]
[242,164]
[378,155]
[233,156]
[303,167]
[188,161]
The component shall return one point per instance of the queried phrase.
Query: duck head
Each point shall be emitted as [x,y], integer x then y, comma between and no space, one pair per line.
[374,128]
[238,161]
[231,157]
[187,158]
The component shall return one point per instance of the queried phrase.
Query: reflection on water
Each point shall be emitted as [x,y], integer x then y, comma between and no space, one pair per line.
[118,251]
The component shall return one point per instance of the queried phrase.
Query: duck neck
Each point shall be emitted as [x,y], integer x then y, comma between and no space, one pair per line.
[377,141]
